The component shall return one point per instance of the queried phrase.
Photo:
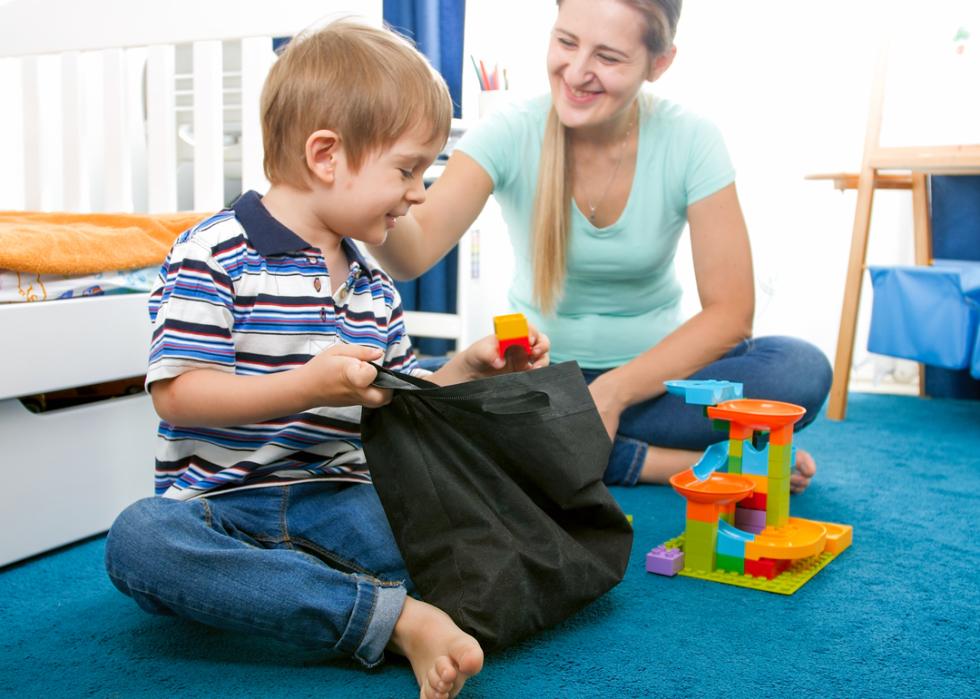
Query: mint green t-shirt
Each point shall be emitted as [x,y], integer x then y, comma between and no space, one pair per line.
[621,295]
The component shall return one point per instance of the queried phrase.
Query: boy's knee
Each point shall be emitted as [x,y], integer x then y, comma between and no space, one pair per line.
[139,530]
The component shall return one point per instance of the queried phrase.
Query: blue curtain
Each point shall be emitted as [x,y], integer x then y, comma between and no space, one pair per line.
[436,26]
[955,212]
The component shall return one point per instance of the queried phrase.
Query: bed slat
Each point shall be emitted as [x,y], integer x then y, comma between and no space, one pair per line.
[161,136]
[31,83]
[74,176]
[257,59]
[118,170]
[208,127]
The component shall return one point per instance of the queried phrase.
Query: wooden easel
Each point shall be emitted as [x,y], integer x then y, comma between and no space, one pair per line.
[903,167]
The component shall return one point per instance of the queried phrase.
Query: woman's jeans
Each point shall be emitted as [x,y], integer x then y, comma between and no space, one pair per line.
[313,564]
[776,368]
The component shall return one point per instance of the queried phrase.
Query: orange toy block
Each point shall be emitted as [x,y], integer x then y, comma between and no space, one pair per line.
[511,331]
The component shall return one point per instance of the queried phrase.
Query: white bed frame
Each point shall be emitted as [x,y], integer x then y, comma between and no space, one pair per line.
[81,142]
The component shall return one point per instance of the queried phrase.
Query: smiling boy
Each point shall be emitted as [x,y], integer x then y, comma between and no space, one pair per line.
[265,319]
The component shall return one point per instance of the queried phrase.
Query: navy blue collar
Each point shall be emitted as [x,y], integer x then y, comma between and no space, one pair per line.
[270,237]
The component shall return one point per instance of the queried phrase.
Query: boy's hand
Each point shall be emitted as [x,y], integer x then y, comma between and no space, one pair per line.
[482,359]
[341,376]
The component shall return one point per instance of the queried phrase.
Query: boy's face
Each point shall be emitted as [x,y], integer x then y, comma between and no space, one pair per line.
[387,184]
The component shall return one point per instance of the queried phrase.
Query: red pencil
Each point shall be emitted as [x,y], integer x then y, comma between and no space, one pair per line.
[483,71]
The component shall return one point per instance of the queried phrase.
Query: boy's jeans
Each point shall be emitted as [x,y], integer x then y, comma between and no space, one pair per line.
[776,368]
[313,564]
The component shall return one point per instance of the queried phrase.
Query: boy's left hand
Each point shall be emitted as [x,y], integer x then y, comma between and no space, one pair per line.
[482,359]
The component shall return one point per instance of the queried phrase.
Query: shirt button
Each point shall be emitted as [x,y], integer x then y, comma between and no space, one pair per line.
[316,283]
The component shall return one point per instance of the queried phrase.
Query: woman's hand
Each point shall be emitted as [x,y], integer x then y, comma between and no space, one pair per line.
[606,398]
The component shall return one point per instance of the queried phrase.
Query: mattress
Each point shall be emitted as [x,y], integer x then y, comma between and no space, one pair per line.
[26,287]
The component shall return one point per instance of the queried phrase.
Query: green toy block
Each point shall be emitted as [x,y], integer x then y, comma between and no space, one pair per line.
[786,583]
[734,463]
[702,538]
[730,563]
[719,425]
[735,447]
[779,460]
[777,505]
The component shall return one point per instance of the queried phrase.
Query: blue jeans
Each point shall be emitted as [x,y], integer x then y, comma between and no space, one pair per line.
[777,368]
[312,564]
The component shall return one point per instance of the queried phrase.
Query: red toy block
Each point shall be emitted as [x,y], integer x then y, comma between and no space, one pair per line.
[767,568]
[521,342]
[755,501]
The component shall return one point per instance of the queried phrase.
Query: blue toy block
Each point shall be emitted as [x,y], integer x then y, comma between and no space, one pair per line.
[731,541]
[664,561]
[708,392]
[755,461]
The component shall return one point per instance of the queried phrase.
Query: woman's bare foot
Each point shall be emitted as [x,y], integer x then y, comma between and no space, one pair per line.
[804,470]
[442,656]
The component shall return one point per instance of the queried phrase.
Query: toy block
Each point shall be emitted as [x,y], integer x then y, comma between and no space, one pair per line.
[730,546]
[777,507]
[734,464]
[511,331]
[779,464]
[755,461]
[664,561]
[708,392]
[719,425]
[629,518]
[761,484]
[735,447]
[767,568]
[839,537]
[792,579]
[700,541]
[781,435]
[750,518]
[704,512]
[730,563]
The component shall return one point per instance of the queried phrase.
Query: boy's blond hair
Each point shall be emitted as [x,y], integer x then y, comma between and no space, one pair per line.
[368,85]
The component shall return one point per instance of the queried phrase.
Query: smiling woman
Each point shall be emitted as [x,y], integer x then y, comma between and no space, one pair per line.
[596,181]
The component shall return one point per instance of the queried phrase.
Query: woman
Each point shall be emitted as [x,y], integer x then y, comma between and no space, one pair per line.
[596,182]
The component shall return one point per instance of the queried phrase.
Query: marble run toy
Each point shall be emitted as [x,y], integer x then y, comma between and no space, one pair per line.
[738,528]
[511,331]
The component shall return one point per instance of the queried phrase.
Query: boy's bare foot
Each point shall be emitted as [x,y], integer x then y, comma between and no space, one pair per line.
[804,469]
[443,657]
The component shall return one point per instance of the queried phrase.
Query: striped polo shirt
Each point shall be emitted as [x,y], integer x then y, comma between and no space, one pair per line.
[242,294]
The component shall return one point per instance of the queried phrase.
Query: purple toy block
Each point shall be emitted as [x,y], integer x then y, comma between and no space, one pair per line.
[664,561]
[749,518]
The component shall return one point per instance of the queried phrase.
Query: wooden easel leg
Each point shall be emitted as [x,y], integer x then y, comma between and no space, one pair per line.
[837,405]
[922,228]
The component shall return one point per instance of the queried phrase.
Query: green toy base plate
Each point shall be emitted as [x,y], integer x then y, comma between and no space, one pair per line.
[786,583]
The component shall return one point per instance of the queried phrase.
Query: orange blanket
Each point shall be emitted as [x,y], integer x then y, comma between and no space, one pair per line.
[76,244]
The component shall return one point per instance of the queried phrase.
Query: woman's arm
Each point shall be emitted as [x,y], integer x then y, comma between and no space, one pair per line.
[429,230]
[723,270]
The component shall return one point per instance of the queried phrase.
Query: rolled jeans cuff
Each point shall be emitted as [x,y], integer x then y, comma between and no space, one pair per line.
[625,461]
[372,621]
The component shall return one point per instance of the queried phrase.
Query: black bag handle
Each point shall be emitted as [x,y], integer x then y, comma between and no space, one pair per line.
[527,403]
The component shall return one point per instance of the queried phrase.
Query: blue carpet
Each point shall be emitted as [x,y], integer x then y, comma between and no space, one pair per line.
[896,615]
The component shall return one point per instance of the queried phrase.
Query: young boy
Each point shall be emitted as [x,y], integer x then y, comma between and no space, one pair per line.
[266,317]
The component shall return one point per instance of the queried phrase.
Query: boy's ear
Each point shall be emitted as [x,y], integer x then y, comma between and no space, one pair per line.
[322,151]
[661,63]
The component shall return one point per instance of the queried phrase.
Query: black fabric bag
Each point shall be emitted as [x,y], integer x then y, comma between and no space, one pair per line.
[493,489]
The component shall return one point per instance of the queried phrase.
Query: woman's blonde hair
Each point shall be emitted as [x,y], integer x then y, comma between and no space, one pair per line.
[553,201]
[369,85]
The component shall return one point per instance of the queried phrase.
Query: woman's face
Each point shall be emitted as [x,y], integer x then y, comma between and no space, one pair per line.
[597,60]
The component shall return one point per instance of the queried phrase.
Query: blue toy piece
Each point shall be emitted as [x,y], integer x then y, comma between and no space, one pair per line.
[707,392]
[715,457]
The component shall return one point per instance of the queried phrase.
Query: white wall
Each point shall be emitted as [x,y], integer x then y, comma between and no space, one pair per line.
[788,83]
